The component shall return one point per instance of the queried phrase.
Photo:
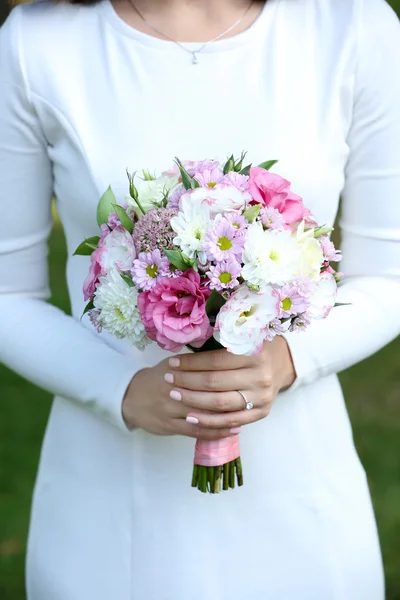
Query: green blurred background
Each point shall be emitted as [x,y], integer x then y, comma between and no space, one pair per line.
[372,390]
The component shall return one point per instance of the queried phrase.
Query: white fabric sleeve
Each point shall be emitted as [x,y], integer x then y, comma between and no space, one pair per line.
[37,340]
[370,220]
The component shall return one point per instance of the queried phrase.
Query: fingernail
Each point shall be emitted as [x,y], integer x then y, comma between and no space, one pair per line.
[169,378]
[192,420]
[236,430]
[175,395]
[174,362]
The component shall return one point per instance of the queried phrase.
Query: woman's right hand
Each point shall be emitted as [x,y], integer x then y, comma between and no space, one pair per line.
[147,405]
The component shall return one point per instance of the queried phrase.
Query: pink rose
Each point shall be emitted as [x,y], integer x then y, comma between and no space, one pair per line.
[270,189]
[92,278]
[174,312]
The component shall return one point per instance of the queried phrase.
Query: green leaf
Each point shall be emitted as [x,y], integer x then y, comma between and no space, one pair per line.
[342,304]
[127,279]
[229,165]
[322,231]
[87,246]
[187,181]
[147,176]
[176,258]
[214,304]
[267,164]
[105,206]
[252,213]
[89,306]
[123,217]
[246,170]
[239,165]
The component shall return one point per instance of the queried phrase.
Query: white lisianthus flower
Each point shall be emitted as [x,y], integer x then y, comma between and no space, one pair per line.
[119,313]
[191,226]
[117,250]
[270,257]
[153,191]
[312,256]
[242,323]
[324,297]
[220,199]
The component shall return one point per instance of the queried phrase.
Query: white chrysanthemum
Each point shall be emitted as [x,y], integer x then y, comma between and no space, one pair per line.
[312,255]
[270,257]
[153,191]
[191,226]
[243,321]
[119,313]
[220,199]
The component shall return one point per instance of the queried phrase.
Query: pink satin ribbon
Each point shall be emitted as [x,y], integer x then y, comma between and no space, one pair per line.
[217,452]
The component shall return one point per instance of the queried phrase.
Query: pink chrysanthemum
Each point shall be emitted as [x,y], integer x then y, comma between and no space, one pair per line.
[271,218]
[222,241]
[329,250]
[169,270]
[173,199]
[224,275]
[146,270]
[241,182]
[305,286]
[238,222]
[210,178]
[274,328]
[94,316]
[154,230]
[290,301]
[300,323]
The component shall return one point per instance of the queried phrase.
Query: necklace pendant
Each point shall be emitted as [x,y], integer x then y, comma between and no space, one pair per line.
[195,60]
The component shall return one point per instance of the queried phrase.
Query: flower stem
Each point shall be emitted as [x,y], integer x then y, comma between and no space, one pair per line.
[211,478]
[226,476]
[239,471]
[232,474]
[195,475]
[202,485]
[217,484]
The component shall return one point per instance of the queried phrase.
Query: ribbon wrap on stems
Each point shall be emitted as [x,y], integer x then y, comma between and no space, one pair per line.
[214,453]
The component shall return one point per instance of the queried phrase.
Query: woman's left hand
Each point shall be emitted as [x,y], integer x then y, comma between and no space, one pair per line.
[207,383]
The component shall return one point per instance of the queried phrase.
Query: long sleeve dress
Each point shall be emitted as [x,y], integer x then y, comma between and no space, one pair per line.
[83,96]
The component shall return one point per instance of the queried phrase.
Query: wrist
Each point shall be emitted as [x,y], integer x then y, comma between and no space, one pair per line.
[287,372]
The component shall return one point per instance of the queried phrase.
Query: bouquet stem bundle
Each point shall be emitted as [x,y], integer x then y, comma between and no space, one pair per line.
[215,479]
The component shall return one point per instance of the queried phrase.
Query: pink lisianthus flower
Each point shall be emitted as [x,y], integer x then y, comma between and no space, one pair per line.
[147,269]
[117,250]
[113,220]
[290,300]
[222,241]
[92,278]
[174,312]
[324,297]
[224,275]
[329,250]
[272,190]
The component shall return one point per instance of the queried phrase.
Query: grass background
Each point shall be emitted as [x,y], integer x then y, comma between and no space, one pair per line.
[372,390]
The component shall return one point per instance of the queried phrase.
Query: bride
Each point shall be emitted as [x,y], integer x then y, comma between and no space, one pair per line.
[89,88]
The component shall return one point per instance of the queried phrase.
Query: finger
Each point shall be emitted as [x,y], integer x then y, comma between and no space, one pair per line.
[227,421]
[212,381]
[181,427]
[215,360]
[211,401]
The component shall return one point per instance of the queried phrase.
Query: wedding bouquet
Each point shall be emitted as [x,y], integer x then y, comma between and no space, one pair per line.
[208,256]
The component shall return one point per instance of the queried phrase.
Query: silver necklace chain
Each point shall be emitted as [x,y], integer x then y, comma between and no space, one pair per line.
[194,53]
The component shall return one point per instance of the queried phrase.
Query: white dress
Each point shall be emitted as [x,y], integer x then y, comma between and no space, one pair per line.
[313,83]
